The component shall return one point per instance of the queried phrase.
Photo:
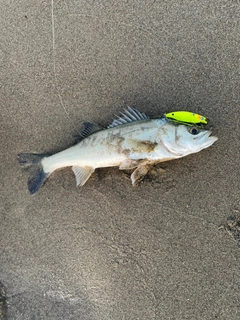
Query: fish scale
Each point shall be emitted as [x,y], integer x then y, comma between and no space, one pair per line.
[132,141]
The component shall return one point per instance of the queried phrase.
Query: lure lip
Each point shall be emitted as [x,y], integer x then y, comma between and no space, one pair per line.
[207,120]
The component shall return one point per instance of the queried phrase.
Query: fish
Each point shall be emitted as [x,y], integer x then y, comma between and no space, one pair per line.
[132,141]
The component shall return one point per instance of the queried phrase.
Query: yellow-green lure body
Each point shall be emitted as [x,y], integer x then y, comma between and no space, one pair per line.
[186,117]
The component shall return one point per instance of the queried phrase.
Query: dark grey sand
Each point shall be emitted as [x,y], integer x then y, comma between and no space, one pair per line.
[162,250]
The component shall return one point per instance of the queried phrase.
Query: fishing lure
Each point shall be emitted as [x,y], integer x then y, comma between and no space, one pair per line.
[186,117]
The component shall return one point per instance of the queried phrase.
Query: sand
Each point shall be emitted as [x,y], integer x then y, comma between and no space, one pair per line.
[162,250]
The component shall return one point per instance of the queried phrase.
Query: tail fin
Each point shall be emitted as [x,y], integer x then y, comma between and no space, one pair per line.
[33,162]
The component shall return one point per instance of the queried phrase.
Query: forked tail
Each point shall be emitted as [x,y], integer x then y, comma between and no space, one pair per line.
[33,163]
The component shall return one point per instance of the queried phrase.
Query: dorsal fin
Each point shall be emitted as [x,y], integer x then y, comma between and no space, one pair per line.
[128,115]
[89,128]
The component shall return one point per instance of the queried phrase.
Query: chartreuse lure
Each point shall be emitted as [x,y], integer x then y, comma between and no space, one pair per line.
[186,117]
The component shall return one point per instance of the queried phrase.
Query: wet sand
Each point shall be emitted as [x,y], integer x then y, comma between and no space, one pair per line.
[167,249]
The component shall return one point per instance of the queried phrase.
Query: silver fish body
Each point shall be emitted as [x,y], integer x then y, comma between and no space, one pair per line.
[133,141]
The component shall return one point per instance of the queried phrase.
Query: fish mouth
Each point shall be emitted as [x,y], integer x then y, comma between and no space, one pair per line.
[205,140]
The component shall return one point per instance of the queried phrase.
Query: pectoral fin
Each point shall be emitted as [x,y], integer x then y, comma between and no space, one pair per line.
[82,174]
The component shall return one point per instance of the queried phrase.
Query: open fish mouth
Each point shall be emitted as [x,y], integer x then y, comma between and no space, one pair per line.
[205,140]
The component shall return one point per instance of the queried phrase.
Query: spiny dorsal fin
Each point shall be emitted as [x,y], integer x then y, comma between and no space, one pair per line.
[128,115]
[89,128]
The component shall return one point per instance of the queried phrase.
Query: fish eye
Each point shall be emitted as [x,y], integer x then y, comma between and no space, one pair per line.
[193,130]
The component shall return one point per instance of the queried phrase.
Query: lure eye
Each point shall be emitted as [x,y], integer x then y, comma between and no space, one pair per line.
[193,130]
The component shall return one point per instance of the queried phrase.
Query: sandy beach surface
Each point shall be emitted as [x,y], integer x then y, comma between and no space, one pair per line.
[167,249]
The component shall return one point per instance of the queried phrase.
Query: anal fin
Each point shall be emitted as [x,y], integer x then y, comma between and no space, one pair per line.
[82,174]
